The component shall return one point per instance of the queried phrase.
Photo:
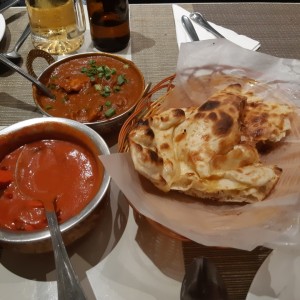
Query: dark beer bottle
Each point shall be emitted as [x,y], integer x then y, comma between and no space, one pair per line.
[109,24]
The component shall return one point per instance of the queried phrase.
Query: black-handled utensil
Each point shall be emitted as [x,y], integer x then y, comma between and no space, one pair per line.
[202,281]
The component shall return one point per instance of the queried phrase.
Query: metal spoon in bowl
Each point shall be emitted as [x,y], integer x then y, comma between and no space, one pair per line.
[14,54]
[16,68]
[67,282]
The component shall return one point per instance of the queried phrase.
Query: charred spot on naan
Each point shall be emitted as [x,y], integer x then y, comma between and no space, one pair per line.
[149,133]
[178,113]
[142,134]
[165,146]
[199,115]
[212,116]
[223,125]
[209,105]
[167,119]
[153,157]
[266,122]
[151,164]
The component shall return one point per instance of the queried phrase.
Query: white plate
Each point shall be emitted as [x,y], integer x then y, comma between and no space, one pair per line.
[2,26]
[278,278]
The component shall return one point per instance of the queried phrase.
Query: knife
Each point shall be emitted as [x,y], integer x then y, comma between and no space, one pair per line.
[189,27]
[4,6]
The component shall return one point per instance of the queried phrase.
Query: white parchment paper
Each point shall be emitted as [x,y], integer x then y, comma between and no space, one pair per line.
[203,68]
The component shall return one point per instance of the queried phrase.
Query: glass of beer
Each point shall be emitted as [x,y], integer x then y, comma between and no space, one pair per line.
[57,26]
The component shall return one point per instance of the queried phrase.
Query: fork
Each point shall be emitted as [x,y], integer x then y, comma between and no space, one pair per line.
[199,19]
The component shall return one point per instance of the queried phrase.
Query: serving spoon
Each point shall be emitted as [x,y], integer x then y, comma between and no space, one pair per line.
[29,184]
[14,54]
[36,82]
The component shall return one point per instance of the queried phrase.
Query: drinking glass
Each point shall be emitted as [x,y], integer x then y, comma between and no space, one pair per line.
[57,26]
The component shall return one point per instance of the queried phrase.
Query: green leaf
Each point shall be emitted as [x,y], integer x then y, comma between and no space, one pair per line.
[108,103]
[98,87]
[110,112]
[121,79]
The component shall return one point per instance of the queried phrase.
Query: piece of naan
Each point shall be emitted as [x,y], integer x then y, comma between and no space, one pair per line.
[200,152]
[262,121]
[266,121]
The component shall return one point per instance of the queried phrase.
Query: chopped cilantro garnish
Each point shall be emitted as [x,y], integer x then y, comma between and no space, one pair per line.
[104,72]
[110,112]
[108,103]
[105,92]
[121,79]
[98,87]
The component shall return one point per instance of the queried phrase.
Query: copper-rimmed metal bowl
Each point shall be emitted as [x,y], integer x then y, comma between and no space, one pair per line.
[35,129]
[101,126]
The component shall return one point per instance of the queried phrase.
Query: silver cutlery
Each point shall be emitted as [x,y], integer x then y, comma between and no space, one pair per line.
[199,19]
[16,68]
[68,285]
[14,55]
[7,5]
[189,27]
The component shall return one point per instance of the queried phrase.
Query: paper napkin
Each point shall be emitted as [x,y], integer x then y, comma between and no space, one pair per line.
[183,37]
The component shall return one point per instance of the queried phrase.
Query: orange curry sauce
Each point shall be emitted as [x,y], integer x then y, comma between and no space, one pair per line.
[54,167]
[90,89]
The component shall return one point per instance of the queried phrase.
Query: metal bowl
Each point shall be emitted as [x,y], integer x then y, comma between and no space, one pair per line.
[31,130]
[102,126]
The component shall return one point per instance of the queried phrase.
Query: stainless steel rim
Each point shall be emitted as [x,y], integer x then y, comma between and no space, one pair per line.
[27,237]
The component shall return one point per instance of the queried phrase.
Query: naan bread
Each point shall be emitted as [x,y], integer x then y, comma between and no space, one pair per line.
[263,121]
[201,152]
[266,121]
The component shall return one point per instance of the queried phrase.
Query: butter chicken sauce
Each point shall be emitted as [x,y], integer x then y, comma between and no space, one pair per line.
[55,167]
[90,89]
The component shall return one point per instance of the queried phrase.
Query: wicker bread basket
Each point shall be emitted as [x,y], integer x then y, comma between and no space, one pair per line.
[237,267]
